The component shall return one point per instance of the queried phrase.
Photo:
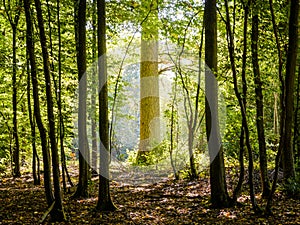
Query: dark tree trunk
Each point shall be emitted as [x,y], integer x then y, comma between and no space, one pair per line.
[104,199]
[230,39]
[95,169]
[82,188]
[286,136]
[219,195]
[16,151]
[35,157]
[57,213]
[14,20]
[282,105]
[37,112]
[238,188]
[259,104]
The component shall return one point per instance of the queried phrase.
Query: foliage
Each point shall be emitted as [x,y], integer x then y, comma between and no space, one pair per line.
[292,187]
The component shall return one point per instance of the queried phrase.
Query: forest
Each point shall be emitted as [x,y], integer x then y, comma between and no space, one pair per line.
[149,112]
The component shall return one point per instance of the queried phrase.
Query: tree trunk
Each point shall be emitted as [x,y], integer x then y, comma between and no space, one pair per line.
[259,105]
[35,158]
[37,112]
[230,39]
[219,195]
[16,152]
[57,213]
[238,188]
[286,136]
[95,170]
[16,148]
[149,84]
[104,199]
[82,188]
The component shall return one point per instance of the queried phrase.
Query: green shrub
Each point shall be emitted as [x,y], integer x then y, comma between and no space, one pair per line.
[292,187]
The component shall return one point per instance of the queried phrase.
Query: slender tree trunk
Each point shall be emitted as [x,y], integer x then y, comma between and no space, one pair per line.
[104,199]
[95,170]
[82,188]
[35,158]
[259,104]
[219,195]
[14,20]
[37,111]
[288,159]
[238,188]
[230,39]
[16,152]
[57,213]
[282,115]
[149,88]
[297,135]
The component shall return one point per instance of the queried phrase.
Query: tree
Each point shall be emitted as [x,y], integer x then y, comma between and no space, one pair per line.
[149,83]
[219,194]
[241,101]
[94,95]
[57,211]
[104,199]
[14,20]
[35,157]
[288,110]
[37,111]
[259,104]
[80,33]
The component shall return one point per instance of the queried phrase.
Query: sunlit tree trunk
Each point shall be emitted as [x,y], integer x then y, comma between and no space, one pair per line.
[149,83]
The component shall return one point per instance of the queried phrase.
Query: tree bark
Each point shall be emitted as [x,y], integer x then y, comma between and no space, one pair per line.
[149,84]
[288,160]
[259,104]
[104,199]
[37,111]
[219,194]
[230,40]
[57,213]
[82,188]
[14,20]
[35,158]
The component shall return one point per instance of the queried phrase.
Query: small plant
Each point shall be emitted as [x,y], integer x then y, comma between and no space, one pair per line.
[292,187]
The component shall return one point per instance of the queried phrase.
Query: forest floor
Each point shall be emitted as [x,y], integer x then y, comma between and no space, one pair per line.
[168,202]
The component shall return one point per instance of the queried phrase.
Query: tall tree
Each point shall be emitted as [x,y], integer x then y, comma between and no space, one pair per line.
[219,194]
[149,82]
[259,103]
[58,207]
[241,101]
[285,147]
[288,110]
[104,199]
[37,111]
[35,157]
[14,20]
[80,30]
[243,98]
[94,95]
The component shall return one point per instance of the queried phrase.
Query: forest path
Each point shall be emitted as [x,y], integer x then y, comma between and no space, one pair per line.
[168,202]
